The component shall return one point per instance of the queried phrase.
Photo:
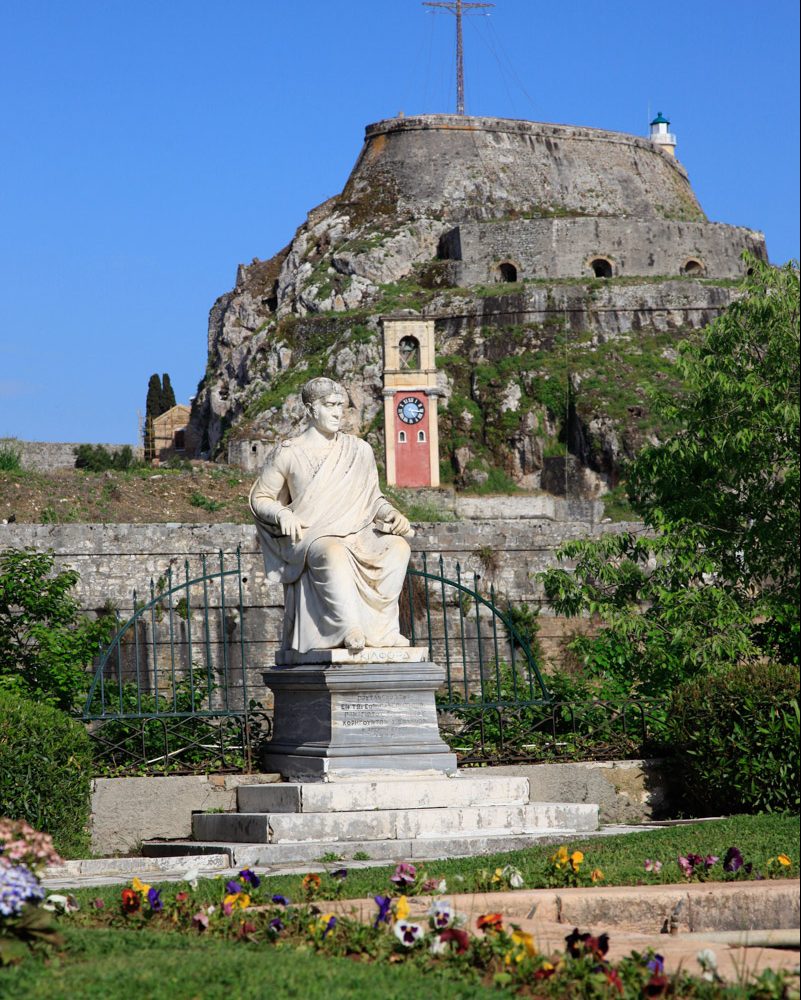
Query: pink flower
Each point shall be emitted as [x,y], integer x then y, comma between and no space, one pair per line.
[200,921]
[404,876]
[653,865]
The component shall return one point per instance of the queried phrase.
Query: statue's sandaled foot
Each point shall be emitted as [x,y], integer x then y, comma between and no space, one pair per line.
[355,640]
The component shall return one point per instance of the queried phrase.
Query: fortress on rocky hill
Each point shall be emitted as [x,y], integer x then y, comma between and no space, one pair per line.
[557,267]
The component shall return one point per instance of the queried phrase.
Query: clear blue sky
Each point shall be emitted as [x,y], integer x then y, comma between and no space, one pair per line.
[152,145]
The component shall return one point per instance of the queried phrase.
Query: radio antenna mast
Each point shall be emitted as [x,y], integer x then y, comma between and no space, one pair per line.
[457,7]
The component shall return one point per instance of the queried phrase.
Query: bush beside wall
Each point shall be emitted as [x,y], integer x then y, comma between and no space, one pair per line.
[45,771]
[736,739]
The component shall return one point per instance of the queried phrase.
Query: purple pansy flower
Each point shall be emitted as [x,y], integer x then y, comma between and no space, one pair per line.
[233,887]
[340,874]
[330,926]
[656,965]
[384,904]
[277,924]
[251,877]
[154,899]
[280,900]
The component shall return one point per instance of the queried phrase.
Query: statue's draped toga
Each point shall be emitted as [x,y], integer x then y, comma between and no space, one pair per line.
[343,573]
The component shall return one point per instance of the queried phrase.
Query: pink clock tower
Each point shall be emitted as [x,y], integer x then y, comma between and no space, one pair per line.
[411,431]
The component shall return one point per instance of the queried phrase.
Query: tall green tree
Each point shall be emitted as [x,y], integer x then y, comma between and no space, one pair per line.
[167,393]
[715,578]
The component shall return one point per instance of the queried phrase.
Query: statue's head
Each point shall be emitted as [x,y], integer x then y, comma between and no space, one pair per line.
[320,388]
[324,400]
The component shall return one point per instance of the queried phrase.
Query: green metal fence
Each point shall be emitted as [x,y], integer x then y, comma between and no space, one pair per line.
[178,688]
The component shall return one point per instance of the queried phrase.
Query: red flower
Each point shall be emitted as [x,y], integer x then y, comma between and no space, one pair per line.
[130,901]
[614,979]
[490,922]
[181,896]
[657,985]
[460,938]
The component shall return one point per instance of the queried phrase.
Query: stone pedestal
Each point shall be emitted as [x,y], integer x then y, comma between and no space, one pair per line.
[339,715]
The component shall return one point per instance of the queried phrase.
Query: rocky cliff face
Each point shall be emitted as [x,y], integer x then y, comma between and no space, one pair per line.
[530,372]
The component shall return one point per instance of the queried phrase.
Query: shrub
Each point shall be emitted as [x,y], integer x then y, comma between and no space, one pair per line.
[98,458]
[736,738]
[45,771]
[45,642]
[10,458]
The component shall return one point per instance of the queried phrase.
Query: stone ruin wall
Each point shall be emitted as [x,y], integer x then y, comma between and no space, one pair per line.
[564,248]
[47,456]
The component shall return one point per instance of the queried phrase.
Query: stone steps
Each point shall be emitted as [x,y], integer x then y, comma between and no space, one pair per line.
[391,824]
[381,816]
[416,792]
[315,853]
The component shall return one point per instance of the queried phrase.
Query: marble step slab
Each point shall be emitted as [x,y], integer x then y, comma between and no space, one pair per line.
[393,793]
[316,853]
[392,824]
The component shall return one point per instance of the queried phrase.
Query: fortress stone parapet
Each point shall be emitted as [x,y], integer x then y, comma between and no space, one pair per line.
[474,168]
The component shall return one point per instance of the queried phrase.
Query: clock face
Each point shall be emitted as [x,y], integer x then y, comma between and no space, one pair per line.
[411,410]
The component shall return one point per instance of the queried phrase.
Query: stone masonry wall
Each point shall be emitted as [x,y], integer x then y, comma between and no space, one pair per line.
[563,248]
[115,558]
[45,456]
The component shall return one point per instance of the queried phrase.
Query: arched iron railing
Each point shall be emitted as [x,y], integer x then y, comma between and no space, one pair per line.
[178,687]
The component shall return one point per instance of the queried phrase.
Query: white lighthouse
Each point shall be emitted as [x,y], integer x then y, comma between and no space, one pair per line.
[661,134]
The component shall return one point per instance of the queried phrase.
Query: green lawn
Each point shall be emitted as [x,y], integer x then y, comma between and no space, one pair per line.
[125,964]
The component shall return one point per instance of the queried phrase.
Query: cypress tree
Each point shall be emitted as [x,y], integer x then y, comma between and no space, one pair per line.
[167,394]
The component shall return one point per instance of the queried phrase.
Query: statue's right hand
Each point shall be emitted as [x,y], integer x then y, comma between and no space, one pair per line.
[290,525]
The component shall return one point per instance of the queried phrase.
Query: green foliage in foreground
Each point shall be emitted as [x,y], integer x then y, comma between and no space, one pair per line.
[736,738]
[716,580]
[45,771]
[45,642]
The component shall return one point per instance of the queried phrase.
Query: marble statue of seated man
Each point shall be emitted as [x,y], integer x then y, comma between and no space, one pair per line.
[329,535]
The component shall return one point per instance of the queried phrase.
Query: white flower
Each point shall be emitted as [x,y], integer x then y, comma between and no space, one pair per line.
[513,876]
[442,886]
[441,913]
[191,876]
[407,933]
[60,904]
[438,946]
[708,961]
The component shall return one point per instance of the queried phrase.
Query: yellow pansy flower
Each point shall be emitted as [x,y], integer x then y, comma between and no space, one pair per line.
[138,886]
[401,908]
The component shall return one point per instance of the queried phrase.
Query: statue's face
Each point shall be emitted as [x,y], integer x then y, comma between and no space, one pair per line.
[326,413]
